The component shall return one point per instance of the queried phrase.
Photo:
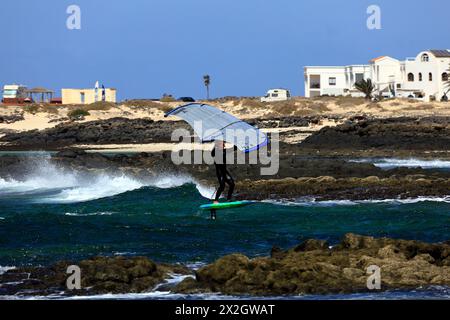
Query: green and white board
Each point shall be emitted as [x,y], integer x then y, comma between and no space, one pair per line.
[225,205]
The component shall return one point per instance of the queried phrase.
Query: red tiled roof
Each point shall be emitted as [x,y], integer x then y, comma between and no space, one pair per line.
[378,58]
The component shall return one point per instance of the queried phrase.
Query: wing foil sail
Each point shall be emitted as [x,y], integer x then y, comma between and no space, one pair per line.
[210,124]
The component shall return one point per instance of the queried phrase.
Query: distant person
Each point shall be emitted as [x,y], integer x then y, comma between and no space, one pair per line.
[103,93]
[223,175]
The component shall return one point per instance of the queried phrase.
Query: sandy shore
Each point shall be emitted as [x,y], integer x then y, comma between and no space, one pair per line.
[50,116]
[148,147]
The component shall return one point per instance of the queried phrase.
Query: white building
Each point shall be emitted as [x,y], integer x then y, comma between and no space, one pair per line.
[423,77]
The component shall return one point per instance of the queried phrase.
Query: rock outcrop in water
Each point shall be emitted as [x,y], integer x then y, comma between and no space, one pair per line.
[320,178]
[98,275]
[351,188]
[313,268]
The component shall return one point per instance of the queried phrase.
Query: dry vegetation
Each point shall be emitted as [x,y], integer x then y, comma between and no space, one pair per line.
[294,107]
[39,116]
[43,107]
[147,104]
[349,102]
[423,106]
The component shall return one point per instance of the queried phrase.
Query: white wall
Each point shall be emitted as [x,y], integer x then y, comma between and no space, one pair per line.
[383,71]
[325,73]
[435,66]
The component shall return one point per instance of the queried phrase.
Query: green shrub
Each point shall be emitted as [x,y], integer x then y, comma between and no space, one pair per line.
[142,103]
[167,98]
[78,114]
[32,108]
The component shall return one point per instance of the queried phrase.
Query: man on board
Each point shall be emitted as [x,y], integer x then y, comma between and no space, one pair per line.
[219,154]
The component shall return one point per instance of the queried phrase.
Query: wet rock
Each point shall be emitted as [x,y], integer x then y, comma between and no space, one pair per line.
[324,188]
[98,275]
[311,244]
[312,267]
[224,270]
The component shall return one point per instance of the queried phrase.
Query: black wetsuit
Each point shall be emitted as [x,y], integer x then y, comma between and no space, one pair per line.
[223,175]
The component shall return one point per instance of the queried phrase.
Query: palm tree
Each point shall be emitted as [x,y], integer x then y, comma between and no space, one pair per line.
[366,87]
[207,82]
[447,83]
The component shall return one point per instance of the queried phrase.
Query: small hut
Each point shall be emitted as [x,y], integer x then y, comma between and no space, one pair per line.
[44,95]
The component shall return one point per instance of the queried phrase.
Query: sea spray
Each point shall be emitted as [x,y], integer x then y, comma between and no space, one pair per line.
[60,185]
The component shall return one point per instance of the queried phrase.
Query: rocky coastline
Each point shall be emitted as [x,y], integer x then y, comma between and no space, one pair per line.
[320,167]
[321,178]
[312,267]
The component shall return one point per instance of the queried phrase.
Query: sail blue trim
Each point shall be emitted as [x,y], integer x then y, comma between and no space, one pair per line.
[180,107]
[256,148]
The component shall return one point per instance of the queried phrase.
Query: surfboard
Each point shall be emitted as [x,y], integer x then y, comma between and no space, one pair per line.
[225,205]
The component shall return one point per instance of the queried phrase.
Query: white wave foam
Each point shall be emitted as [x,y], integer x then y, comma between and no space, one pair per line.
[388,163]
[101,187]
[44,176]
[62,186]
[124,253]
[172,181]
[76,214]
[196,265]
[313,202]
[205,191]
[5,269]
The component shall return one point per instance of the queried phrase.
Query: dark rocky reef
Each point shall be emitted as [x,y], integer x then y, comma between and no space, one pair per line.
[350,188]
[313,268]
[429,133]
[111,131]
[358,136]
[299,176]
[98,275]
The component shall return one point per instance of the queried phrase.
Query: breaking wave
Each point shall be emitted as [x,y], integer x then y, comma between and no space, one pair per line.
[5,269]
[48,183]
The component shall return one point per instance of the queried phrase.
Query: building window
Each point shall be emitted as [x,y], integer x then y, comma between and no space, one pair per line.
[332,81]
[425,58]
[410,77]
[420,77]
[359,77]
[430,76]
[82,97]
[445,76]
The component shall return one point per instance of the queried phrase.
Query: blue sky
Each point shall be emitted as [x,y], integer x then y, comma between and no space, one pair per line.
[145,48]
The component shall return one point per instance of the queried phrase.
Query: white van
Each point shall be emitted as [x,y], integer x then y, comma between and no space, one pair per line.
[276,95]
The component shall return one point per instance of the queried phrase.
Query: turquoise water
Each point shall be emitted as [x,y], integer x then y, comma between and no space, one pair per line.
[54,215]
[166,225]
